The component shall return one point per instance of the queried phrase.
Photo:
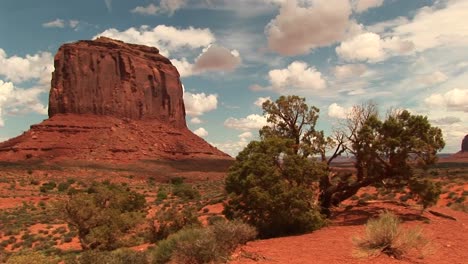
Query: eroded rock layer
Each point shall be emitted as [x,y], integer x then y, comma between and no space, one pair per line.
[112,78]
[104,138]
[111,101]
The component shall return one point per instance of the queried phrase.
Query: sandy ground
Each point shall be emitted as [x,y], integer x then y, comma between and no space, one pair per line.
[334,245]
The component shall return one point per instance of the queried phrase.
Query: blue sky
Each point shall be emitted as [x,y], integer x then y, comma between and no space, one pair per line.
[232,55]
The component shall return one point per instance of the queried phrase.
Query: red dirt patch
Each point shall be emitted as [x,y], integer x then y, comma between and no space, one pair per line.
[334,244]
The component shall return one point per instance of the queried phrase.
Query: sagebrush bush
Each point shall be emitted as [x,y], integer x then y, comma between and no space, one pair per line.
[29,257]
[170,220]
[385,235]
[213,244]
[119,256]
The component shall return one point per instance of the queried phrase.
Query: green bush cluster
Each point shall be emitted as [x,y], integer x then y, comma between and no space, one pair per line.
[213,244]
[103,214]
[172,219]
[119,256]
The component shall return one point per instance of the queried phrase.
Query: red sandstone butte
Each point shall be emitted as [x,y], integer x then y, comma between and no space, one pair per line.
[111,78]
[111,101]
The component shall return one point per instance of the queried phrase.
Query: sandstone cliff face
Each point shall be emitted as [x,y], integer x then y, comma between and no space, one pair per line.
[111,102]
[464,146]
[112,78]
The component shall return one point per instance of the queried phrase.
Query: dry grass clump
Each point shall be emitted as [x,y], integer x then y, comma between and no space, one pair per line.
[386,235]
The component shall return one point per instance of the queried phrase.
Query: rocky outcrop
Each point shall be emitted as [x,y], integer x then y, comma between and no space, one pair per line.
[112,78]
[114,102]
[104,138]
[464,145]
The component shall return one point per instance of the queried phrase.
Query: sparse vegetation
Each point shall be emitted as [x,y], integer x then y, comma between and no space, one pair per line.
[280,170]
[103,214]
[386,235]
[212,244]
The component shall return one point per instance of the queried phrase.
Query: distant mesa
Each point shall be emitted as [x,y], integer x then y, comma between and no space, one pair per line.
[464,145]
[111,101]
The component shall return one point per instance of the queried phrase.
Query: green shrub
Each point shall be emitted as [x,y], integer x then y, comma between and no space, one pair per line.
[385,235]
[119,256]
[162,195]
[63,186]
[185,191]
[48,186]
[212,219]
[30,257]
[177,180]
[275,196]
[171,220]
[213,244]
[103,215]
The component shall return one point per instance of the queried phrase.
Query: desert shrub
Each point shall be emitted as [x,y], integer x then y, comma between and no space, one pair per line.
[30,257]
[213,244]
[177,180]
[428,192]
[119,256]
[48,186]
[212,219]
[459,207]
[103,215]
[230,234]
[385,235]
[185,191]
[34,182]
[161,195]
[63,186]
[171,220]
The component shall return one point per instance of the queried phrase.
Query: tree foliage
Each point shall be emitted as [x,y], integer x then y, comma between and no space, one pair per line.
[103,214]
[271,188]
[391,153]
[272,181]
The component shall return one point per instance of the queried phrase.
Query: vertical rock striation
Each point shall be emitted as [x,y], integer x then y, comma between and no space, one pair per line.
[112,102]
[112,78]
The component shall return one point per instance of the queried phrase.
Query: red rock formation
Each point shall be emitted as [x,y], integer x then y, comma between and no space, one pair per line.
[111,101]
[464,145]
[112,78]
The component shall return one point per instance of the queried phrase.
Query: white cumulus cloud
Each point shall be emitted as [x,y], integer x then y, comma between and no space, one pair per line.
[198,104]
[363,5]
[304,25]
[196,120]
[201,132]
[437,26]
[150,9]
[455,99]
[349,71]
[217,58]
[165,38]
[433,78]
[31,67]
[371,47]
[249,122]
[165,7]
[57,23]
[15,100]
[337,111]
[297,76]
[259,102]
